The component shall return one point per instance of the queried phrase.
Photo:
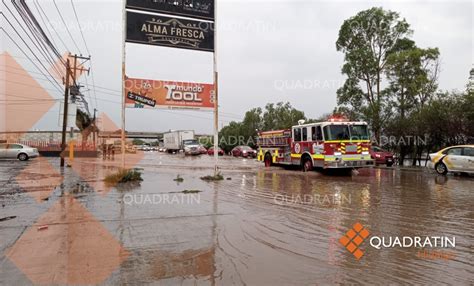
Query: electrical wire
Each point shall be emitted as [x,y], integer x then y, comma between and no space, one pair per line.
[45,54]
[55,83]
[41,12]
[29,18]
[87,49]
[65,25]
[23,40]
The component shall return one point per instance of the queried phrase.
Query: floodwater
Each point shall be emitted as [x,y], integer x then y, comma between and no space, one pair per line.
[258,226]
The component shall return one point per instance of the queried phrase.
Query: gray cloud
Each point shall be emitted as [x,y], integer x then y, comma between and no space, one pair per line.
[260,46]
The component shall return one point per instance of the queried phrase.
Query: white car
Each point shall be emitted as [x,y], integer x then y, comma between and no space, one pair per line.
[191,147]
[453,159]
[17,151]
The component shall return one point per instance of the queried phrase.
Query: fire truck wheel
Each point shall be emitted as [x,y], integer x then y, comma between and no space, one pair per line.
[268,160]
[307,165]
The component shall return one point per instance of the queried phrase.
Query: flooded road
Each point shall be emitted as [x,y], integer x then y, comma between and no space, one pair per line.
[258,226]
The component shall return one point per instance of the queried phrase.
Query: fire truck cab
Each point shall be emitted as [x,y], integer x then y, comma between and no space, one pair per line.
[336,143]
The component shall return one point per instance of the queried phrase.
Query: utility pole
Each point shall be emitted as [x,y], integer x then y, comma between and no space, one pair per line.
[94,130]
[73,97]
[66,100]
[67,89]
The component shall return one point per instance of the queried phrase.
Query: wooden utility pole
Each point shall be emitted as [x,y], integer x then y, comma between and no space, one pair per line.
[94,130]
[66,101]
[67,89]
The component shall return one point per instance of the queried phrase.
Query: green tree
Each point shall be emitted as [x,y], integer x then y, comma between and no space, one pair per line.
[252,122]
[367,39]
[412,73]
[229,136]
[281,116]
[276,116]
[138,142]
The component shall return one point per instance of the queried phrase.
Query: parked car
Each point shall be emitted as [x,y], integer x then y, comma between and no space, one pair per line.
[202,149]
[243,151]
[453,159]
[18,151]
[220,152]
[381,157]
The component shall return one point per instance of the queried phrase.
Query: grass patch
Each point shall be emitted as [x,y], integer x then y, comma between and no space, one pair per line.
[191,191]
[124,176]
[178,179]
[216,177]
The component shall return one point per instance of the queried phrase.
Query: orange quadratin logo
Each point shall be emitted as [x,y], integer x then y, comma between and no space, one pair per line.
[354,238]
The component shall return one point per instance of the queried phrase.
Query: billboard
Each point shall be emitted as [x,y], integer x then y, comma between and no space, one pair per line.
[201,9]
[143,93]
[169,32]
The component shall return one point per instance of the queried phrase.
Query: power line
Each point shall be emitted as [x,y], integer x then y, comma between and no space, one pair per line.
[35,27]
[55,83]
[44,24]
[21,96]
[41,11]
[87,49]
[45,54]
[65,25]
[80,29]
[223,114]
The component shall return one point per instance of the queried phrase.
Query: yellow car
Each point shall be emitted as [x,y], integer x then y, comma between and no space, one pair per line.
[453,159]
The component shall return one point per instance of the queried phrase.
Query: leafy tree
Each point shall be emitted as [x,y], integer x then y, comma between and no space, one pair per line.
[413,76]
[367,40]
[276,116]
[444,120]
[281,116]
[412,73]
[229,136]
[252,122]
[138,142]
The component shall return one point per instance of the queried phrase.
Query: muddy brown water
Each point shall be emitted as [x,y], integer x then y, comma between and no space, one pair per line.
[257,227]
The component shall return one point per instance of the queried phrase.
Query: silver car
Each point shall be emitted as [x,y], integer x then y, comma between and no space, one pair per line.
[17,151]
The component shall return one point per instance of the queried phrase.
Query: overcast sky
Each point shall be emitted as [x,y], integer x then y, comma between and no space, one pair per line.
[268,51]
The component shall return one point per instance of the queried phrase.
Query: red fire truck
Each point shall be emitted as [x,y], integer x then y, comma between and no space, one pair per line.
[336,143]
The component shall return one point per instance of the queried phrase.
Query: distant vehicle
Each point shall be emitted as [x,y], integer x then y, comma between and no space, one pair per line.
[202,149]
[220,152]
[173,140]
[453,159]
[143,147]
[191,147]
[381,157]
[244,151]
[18,151]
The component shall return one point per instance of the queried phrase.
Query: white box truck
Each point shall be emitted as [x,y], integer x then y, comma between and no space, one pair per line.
[173,140]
